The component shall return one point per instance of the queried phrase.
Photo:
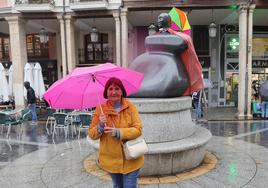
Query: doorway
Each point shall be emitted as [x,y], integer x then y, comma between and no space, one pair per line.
[231,88]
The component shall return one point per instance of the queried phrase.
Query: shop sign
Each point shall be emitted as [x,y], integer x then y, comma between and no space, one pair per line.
[260,47]
[260,63]
[234,44]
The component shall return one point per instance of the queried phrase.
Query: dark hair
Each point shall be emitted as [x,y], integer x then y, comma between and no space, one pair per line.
[26,84]
[117,82]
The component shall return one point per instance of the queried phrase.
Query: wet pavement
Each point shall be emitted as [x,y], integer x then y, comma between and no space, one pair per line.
[34,159]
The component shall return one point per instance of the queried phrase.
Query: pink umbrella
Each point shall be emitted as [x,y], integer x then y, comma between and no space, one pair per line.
[84,87]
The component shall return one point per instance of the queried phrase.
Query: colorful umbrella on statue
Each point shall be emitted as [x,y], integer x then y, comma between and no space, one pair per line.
[179,21]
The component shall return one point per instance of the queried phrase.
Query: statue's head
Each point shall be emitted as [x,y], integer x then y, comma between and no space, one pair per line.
[164,21]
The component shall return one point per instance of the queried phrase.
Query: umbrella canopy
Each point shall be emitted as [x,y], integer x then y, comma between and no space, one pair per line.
[179,21]
[84,87]
[207,83]
[38,81]
[28,75]
[3,85]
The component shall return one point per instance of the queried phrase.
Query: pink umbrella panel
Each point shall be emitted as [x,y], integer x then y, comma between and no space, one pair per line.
[84,87]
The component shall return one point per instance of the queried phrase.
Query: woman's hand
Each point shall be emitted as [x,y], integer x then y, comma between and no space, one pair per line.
[102,119]
[110,130]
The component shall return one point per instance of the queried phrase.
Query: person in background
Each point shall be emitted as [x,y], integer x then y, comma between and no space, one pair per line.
[196,100]
[31,101]
[115,121]
[264,99]
[235,95]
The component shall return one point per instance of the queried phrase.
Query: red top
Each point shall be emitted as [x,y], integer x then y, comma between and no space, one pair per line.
[191,63]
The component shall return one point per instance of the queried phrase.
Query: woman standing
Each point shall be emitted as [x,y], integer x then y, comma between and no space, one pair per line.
[116,121]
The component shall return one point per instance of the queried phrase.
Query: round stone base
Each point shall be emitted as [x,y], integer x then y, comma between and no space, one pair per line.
[209,163]
[175,156]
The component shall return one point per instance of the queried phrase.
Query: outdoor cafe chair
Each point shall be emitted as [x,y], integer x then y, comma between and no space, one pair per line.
[50,119]
[3,118]
[60,123]
[73,120]
[8,119]
[85,119]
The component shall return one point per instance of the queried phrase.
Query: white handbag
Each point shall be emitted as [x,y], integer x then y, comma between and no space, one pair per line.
[135,148]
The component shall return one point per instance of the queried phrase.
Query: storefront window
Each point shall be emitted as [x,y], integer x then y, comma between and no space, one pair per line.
[231,88]
[98,52]
[259,65]
[36,49]
[4,48]
[260,50]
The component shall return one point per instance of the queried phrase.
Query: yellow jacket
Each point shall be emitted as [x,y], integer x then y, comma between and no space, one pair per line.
[111,155]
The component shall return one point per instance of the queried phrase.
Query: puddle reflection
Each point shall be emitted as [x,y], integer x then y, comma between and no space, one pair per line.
[229,129]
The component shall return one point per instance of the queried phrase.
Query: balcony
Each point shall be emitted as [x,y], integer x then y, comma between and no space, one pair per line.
[34,5]
[80,5]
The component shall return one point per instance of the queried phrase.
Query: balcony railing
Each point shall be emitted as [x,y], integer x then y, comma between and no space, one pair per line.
[34,5]
[77,5]
[19,2]
[78,1]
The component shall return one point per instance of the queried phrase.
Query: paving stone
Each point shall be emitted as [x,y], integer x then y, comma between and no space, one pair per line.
[241,163]
[207,182]
[168,185]
[189,184]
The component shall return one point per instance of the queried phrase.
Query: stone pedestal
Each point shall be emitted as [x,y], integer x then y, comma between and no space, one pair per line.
[175,143]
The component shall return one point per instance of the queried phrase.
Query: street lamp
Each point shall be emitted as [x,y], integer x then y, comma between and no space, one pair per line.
[43,36]
[151,29]
[212,28]
[94,34]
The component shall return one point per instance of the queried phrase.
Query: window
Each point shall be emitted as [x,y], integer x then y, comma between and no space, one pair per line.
[35,49]
[99,52]
[4,48]
[201,39]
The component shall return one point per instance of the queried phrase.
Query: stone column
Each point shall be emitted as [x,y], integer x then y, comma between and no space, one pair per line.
[124,39]
[65,68]
[250,28]
[19,56]
[242,59]
[117,38]
[70,41]
[59,56]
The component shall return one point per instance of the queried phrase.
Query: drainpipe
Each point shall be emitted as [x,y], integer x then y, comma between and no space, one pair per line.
[119,16]
[65,38]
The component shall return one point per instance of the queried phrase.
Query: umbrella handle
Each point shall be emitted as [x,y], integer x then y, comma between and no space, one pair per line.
[99,103]
[101,107]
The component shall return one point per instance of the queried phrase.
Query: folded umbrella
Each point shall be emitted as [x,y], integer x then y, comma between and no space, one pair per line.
[3,85]
[84,87]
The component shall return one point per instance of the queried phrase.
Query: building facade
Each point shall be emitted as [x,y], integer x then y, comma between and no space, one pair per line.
[234,58]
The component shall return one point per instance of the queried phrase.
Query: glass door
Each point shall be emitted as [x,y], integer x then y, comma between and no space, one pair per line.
[231,88]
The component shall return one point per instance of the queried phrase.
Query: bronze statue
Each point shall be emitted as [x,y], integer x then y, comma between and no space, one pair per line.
[164,22]
[170,65]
